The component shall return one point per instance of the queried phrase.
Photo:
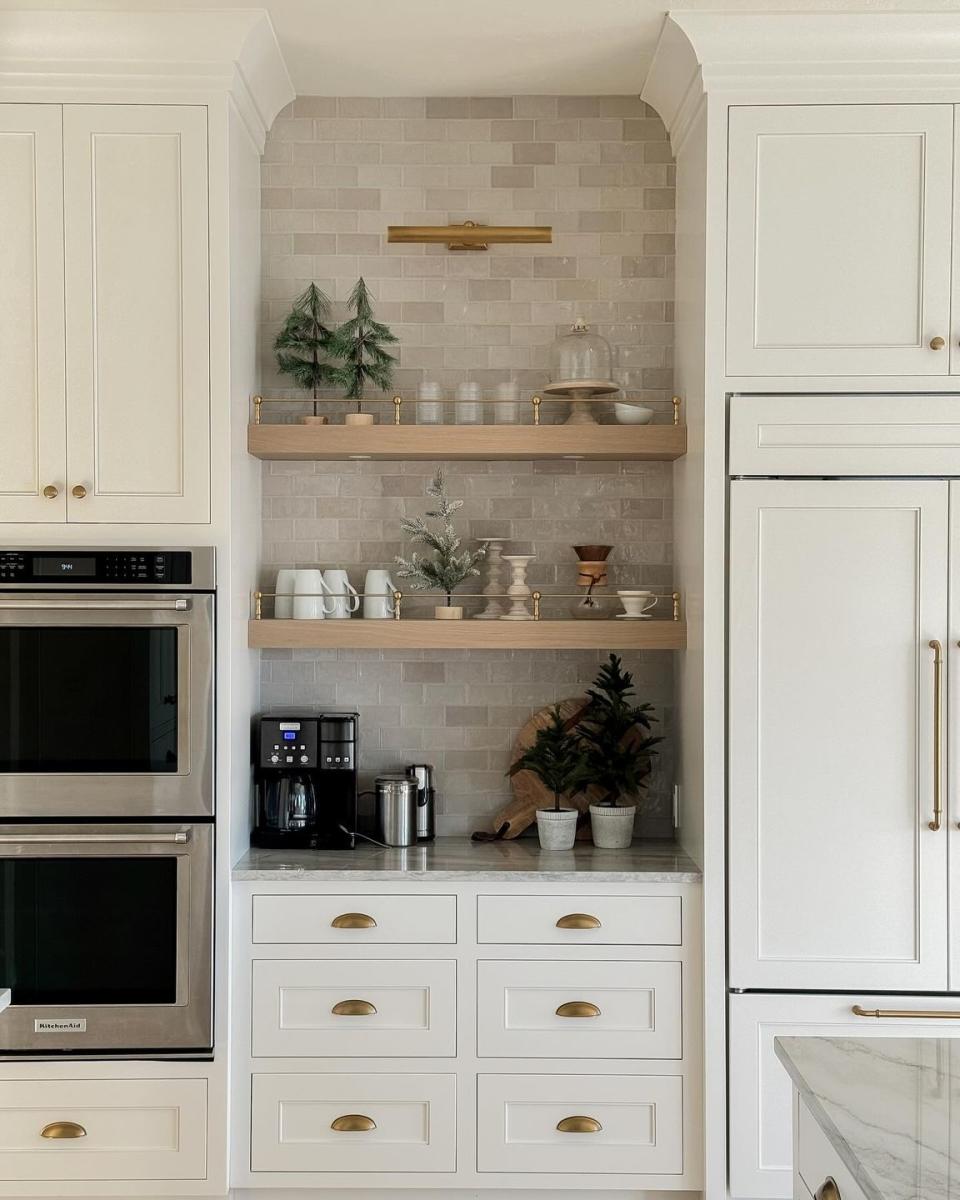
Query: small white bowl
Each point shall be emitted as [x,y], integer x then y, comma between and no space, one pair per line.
[633,414]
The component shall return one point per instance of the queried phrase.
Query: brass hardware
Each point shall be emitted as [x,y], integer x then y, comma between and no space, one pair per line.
[578,921]
[676,606]
[51,492]
[828,1190]
[537,597]
[397,601]
[469,235]
[258,606]
[78,491]
[578,1008]
[353,921]
[937,343]
[58,1130]
[676,402]
[906,1014]
[579,1125]
[937,736]
[397,403]
[354,1008]
[536,402]
[257,405]
[353,1123]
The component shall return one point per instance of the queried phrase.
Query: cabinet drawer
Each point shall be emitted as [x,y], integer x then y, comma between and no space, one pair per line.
[354,920]
[408,1123]
[580,920]
[135,1129]
[637,1123]
[818,1159]
[376,1008]
[579,1010]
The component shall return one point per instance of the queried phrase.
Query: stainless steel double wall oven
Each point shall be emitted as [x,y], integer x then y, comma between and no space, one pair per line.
[106,800]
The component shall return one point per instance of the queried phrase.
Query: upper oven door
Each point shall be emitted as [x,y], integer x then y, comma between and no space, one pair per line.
[106,705]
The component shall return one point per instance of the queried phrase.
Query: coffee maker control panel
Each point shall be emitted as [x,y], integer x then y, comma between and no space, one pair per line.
[286,743]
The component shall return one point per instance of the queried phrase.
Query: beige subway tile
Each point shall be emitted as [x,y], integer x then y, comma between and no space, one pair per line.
[314,197]
[600,221]
[657,152]
[578,152]
[538,107]
[447,106]
[314,243]
[381,129]
[402,152]
[314,106]
[557,175]
[489,289]
[420,312]
[468,131]
[335,176]
[506,177]
[358,243]
[622,106]
[528,200]
[359,106]
[276,197]
[358,152]
[554,267]
[316,153]
[490,152]
[292,129]
[335,129]
[505,266]
[445,199]
[648,129]
[357,198]
[449,152]
[404,106]
[423,130]
[659,198]
[380,175]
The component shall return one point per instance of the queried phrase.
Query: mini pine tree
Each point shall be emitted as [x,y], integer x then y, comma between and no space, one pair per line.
[556,758]
[302,346]
[359,342]
[448,569]
[613,732]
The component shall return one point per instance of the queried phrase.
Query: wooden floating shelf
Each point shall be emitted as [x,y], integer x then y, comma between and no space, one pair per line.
[655,443]
[428,634]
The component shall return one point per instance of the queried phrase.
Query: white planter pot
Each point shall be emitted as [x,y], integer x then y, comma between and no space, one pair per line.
[557,830]
[612,828]
[448,612]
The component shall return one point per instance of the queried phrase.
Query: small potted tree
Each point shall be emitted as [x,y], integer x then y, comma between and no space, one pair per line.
[618,753]
[449,567]
[302,347]
[359,343]
[558,760]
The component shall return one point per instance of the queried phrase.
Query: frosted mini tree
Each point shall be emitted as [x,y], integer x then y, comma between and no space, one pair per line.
[302,346]
[359,343]
[450,566]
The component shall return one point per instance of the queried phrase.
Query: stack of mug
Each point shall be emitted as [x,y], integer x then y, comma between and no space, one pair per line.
[311,594]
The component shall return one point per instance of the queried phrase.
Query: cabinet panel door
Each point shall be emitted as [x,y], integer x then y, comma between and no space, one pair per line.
[31,313]
[836,879]
[761,1140]
[838,253]
[137,301]
[952,651]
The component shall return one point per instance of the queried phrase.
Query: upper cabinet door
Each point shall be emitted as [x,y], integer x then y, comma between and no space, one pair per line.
[952,652]
[137,303]
[839,240]
[836,880]
[32,445]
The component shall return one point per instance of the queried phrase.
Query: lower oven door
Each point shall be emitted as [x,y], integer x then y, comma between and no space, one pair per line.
[106,938]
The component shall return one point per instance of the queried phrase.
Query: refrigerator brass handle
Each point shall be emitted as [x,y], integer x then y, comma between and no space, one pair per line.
[578,1008]
[353,921]
[578,921]
[579,1125]
[354,1008]
[906,1014]
[63,1129]
[937,735]
[353,1123]
[828,1190]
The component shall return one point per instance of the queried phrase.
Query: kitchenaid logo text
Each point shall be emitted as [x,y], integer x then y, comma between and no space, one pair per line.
[64,1025]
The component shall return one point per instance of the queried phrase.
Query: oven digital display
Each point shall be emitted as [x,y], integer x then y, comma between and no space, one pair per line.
[65,566]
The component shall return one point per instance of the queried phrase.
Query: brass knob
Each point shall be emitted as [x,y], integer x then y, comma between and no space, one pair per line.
[51,491]
[578,1008]
[353,921]
[936,343]
[63,1129]
[588,1125]
[828,1190]
[353,1123]
[578,921]
[354,1008]
[78,491]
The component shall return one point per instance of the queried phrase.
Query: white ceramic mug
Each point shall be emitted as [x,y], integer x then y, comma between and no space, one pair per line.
[637,603]
[342,594]
[309,603]
[378,589]
[283,600]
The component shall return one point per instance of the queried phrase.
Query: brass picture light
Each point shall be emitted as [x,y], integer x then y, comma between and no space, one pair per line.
[469,235]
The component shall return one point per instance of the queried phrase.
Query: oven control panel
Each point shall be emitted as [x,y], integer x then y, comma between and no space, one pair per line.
[102,567]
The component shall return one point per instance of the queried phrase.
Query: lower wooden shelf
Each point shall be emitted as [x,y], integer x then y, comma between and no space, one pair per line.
[428,634]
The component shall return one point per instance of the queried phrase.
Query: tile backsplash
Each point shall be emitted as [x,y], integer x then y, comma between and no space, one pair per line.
[598,169]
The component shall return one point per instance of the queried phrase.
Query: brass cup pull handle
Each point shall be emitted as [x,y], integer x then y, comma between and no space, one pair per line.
[828,1190]
[353,1123]
[578,921]
[51,491]
[936,343]
[937,735]
[63,1129]
[78,491]
[354,1008]
[353,921]
[579,1125]
[578,1008]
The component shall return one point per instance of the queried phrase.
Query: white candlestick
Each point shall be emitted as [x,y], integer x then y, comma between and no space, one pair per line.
[494,589]
[518,591]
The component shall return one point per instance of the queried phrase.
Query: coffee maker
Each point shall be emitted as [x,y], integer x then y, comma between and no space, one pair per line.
[305,779]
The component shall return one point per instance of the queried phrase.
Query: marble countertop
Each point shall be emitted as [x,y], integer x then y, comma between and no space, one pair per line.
[889,1106]
[457,858]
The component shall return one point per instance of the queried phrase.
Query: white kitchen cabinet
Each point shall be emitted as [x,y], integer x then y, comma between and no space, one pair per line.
[952,652]
[761,1138]
[837,879]
[32,414]
[839,240]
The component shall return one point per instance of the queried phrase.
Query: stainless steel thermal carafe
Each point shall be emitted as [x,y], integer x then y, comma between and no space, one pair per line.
[426,800]
[397,809]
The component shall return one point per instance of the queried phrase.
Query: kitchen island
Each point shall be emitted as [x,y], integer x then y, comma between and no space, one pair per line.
[875,1118]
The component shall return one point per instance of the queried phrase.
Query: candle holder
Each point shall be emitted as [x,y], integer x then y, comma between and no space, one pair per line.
[519,590]
[494,589]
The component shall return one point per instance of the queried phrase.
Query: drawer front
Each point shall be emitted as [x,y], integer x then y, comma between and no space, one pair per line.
[134,1129]
[393,1123]
[635,1123]
[579,1010]
[579,920]
[354,920]
[819,1161]
[376,1008]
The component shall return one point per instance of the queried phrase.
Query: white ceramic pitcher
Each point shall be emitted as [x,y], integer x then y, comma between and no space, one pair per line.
[342,594]
[378,589]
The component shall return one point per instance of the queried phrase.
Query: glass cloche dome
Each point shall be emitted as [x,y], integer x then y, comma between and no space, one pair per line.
[580,367]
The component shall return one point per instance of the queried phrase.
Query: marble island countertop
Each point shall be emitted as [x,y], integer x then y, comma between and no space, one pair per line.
[457,858]
[890,1107]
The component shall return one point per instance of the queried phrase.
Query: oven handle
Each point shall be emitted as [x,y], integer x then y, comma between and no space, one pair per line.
[180,838]
[181,605]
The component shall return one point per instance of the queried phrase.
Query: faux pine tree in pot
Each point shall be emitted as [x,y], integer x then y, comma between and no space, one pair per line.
[302,347]
[359,344]
[558,760]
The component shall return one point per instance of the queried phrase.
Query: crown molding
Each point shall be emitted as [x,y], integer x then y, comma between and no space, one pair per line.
[147,56]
